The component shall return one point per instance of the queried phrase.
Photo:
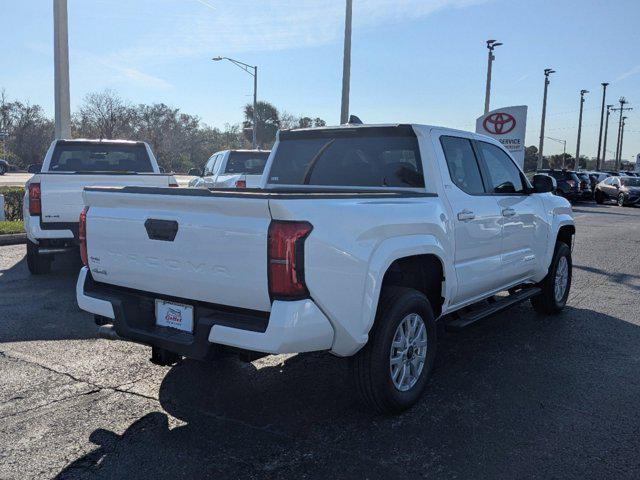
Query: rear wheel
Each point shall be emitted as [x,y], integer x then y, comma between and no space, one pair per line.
[38,264]
[391,371]
[556,285]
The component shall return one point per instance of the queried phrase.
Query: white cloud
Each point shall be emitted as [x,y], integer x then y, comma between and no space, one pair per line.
[634,71]
[207,26]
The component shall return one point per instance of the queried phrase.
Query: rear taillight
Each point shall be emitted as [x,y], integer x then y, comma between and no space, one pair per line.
[241,184]
[174,184]
[35,205]
[82,236]
[286,259]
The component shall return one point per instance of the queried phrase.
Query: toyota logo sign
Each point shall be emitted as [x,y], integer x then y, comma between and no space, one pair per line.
[499,123]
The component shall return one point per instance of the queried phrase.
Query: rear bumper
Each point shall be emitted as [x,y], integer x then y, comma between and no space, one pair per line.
[36,231]
[290,327]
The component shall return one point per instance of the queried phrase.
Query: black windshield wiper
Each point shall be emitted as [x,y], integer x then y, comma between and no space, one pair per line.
[312,164]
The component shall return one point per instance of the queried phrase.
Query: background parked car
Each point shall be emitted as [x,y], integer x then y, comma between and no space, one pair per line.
[624,190]
[232,168]
[585,185]
[568,183]
[4,166]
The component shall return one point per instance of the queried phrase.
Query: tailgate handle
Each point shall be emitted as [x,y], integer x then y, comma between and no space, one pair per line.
[161,229]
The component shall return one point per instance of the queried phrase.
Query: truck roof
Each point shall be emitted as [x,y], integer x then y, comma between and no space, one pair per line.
[97,140]
[350,126]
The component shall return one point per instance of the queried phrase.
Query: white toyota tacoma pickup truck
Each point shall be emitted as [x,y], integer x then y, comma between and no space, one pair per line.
[359,240]
[53,196]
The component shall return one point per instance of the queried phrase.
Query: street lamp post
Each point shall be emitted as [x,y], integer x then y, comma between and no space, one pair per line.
[346,64]
[604,140]
[547,72]
[247,68]
[623,101]
[582,94]
[604,95]
[491,44]
[61,70]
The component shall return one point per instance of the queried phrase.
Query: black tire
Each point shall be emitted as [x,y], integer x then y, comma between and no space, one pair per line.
[599,196]
[620,200]
[38,264]
[546,302]
[3,169]
[371,365]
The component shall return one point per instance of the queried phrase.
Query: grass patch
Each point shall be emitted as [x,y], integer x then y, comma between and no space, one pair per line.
[15,226]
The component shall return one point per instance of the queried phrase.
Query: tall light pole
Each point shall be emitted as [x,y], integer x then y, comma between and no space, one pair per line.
[604,95]
[547,72]
[247,68]
[623,101]
[61,70]
[582,94]
[604,140]
[346,64]
[491,44]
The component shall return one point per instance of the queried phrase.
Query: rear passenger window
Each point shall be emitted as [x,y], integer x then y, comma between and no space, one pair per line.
[504,176]
[462,164]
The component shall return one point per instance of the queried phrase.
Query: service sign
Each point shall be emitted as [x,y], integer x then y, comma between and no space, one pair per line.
[507,125]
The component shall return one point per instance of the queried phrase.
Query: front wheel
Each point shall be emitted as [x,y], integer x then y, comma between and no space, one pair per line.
[621,200]
[391,371]
[556,285]
[3,169]
[37,264]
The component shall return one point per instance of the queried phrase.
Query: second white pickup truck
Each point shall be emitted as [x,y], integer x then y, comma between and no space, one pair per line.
[53,196]
[360,238]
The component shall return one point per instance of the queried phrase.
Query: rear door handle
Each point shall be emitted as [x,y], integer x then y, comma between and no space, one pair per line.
[508,212]
[466,215]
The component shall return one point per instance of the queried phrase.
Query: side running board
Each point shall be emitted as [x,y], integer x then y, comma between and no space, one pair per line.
[464,319]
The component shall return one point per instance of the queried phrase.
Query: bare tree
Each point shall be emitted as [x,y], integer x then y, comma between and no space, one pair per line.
[104,115]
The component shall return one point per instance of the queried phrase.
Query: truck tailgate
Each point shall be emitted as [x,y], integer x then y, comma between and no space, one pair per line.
[218,254]
[62,193]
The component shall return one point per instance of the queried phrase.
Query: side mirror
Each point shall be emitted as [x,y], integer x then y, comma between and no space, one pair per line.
[194,172]
[34,168]
[544,184]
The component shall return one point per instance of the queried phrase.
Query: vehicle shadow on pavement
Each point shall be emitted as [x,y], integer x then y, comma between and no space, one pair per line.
[517,396]
[628,279]
[38,307]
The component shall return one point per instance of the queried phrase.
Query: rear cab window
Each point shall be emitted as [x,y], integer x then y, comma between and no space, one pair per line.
[81,157]
[249,163]
[374,157]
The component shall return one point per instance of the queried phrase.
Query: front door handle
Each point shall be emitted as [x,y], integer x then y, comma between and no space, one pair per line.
[466,215]
[508,212]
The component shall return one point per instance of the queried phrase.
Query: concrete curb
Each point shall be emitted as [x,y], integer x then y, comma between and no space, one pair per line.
[13,239]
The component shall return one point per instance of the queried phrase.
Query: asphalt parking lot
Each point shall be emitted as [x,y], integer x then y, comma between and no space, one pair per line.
[519,396]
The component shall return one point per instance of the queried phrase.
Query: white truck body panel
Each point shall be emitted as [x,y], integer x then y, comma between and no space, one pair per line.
[62,193]
[218,255]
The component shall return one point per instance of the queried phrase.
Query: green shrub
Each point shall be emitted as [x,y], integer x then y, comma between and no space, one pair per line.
[12,202]
[11,227]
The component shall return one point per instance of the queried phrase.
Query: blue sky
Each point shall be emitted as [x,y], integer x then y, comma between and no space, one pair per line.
[418,61]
